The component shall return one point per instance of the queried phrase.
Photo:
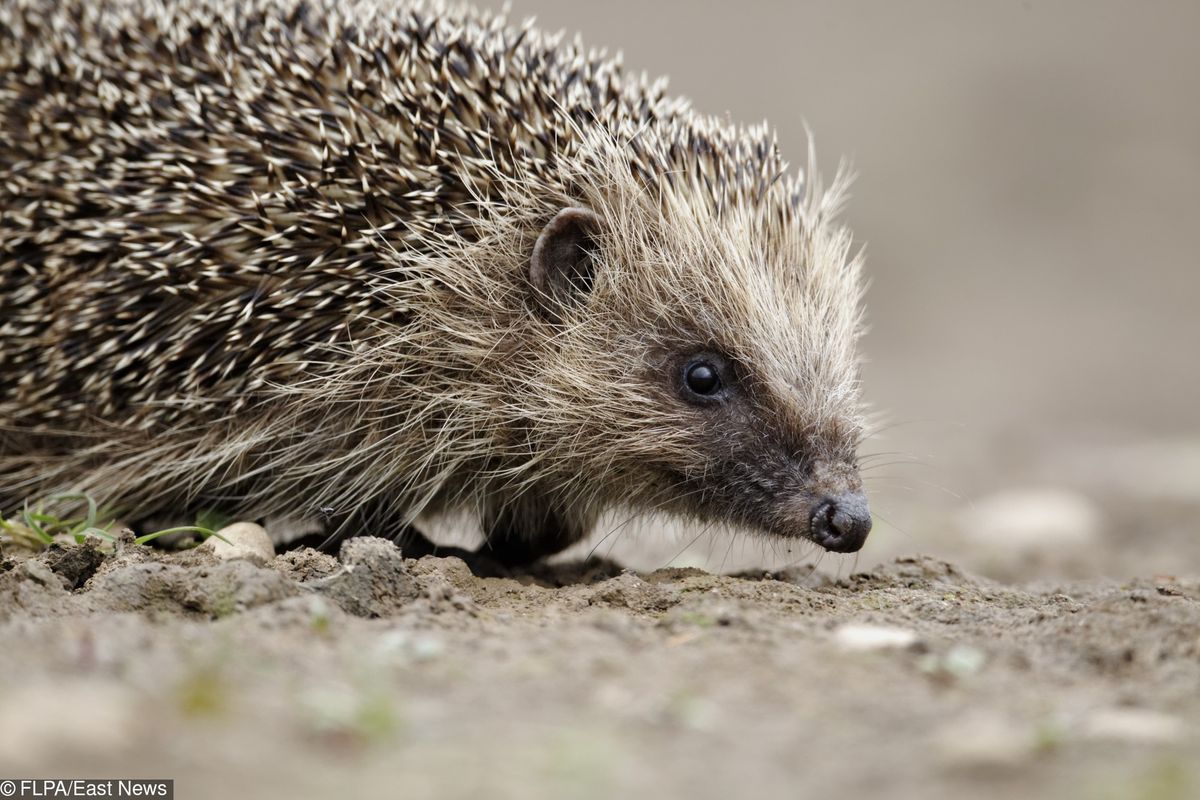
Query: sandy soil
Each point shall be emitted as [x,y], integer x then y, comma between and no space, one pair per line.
[313,675]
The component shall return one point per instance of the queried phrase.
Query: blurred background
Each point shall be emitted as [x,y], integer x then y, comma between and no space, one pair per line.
[1029,195]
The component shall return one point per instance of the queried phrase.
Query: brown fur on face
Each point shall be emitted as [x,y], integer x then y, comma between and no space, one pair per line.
[275,255]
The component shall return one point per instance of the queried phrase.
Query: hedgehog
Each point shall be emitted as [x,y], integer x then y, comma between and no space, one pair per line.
[370,262]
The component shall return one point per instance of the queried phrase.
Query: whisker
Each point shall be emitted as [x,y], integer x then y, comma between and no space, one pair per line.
[892,525]
[728,550]
[706,529]
[646,512]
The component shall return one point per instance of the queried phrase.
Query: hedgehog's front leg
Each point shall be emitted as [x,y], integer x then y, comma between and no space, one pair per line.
[526,530]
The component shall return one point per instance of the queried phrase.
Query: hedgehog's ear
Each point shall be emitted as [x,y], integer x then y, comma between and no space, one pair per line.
[562,267]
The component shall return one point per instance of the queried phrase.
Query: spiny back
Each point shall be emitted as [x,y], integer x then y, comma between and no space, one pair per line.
[196,192]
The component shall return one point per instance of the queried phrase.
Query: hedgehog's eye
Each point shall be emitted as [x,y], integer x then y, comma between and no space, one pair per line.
[702,378]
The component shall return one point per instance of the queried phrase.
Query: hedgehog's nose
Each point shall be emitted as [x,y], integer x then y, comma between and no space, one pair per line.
[841,523]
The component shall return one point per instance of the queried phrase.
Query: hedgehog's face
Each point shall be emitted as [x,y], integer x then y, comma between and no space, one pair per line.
[762,460]
[731,376]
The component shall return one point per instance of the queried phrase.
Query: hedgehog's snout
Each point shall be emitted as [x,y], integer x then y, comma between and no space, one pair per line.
[840,523]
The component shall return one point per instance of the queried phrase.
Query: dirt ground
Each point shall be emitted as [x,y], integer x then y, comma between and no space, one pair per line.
[1029,186]
[315,677]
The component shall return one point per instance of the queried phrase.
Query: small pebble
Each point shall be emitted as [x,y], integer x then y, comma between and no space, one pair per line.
[861,638]
[985,741]
[1133,725]
[960,661]
[243,540]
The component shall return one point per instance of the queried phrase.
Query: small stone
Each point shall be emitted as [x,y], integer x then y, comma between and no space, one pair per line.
[1133,725]
[959,662]
[241,540]
[986,741]
[861,638]
[425,648]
